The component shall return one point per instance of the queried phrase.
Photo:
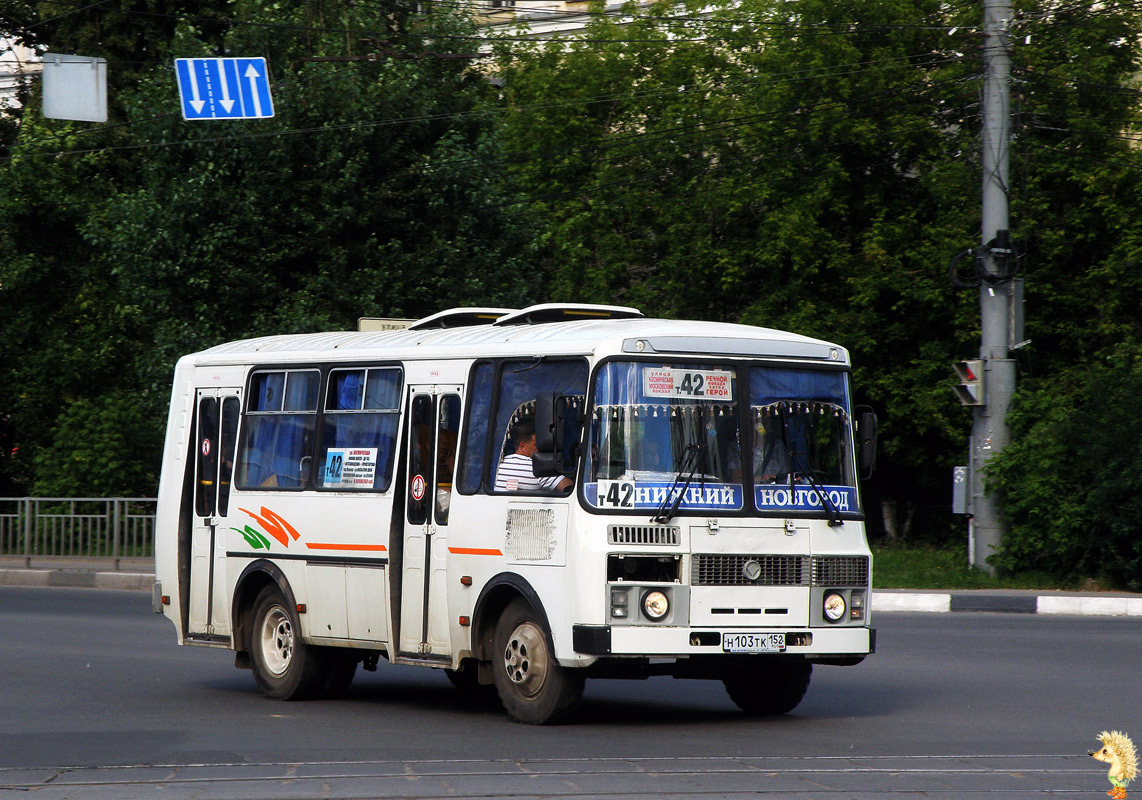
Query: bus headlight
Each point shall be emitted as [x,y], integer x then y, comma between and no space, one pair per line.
[834,606]
[655,605]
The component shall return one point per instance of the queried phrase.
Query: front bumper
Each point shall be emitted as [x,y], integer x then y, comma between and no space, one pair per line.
[838,643]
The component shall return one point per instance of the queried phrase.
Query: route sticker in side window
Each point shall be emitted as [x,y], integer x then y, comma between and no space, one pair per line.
[349,467]
[696,384]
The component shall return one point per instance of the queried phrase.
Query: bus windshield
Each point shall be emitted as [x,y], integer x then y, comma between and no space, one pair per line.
[664,431]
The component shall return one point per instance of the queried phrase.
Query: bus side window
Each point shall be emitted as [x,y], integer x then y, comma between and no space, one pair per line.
[447,430]
[359,429]
[420,458]
[281,417]
[521,382]
[207,456]
[476,428]
[228,441]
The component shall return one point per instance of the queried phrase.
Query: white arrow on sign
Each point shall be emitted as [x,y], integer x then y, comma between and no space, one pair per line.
[226,102]
[252,75]
[195,102]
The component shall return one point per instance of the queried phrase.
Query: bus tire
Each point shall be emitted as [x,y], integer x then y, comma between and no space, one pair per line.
[284,666]
[533,687]
[768,688]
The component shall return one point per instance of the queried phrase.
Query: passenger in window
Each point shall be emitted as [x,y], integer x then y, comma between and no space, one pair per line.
[515,473]
[770,456]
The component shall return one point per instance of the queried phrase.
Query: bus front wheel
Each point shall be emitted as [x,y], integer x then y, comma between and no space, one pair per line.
[284,666]
[768,687]
[533,687]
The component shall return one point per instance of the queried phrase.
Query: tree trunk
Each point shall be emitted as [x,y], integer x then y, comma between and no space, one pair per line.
[888,512]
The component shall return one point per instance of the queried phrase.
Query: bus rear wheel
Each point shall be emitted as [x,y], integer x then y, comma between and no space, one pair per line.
[768,687]
[284,666]
[533,687]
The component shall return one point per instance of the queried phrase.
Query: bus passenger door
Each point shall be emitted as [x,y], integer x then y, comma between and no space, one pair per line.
[434,421]
[217,413]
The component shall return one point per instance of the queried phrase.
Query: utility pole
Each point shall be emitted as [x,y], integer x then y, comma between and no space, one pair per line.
[989,423]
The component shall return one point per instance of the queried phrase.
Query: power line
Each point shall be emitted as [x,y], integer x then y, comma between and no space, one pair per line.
[841,28]
[1033,76]
[800,74]
[829,28]
[805,75]
[66,14]
[704,129]
[693,169]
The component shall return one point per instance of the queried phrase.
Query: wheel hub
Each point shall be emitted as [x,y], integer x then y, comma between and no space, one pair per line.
[526,658]
[277,641]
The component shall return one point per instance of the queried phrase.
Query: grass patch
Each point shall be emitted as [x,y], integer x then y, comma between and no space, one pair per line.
[896,567]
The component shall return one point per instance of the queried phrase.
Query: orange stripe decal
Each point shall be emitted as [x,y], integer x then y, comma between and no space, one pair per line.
[271,523]
[474,551]
[280,522]
[372,548]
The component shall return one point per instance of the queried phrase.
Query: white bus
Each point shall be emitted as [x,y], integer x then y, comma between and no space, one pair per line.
[689,506]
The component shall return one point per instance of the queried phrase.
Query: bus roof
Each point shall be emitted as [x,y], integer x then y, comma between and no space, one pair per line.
[600,337]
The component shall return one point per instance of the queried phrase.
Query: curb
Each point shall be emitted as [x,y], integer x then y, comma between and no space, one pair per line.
[882,601]
[76,579]
[1014,603]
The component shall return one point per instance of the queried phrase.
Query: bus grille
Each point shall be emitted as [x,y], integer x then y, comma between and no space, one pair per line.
[840,571]
[711,569]
[644,534]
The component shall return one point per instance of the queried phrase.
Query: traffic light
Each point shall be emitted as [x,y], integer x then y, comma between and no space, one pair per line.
[970,386]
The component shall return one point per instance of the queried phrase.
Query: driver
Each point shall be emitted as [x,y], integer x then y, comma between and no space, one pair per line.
[515,473]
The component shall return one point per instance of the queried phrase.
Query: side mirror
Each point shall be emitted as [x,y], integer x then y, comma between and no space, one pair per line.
[554,454]
[546,424]
[866,438]
[544,465]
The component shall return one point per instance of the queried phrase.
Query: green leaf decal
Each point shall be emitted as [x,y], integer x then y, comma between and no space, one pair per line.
[254,538]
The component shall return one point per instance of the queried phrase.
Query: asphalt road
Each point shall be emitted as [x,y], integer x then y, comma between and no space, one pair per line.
[97,701]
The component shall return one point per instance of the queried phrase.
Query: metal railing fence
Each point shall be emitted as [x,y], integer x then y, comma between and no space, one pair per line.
[91,527]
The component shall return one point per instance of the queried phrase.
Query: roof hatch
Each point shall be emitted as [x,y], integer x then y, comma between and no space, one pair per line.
[564,312]
[460,318]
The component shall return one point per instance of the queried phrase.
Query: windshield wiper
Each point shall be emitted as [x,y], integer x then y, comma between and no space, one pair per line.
[830,509]
[690,460]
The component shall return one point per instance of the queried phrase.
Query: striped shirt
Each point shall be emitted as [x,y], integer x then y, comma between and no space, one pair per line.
[515,475]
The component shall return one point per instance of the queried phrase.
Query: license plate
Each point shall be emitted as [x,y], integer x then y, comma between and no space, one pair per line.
[753,642]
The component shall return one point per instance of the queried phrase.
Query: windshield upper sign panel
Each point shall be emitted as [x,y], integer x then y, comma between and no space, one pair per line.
[692,384]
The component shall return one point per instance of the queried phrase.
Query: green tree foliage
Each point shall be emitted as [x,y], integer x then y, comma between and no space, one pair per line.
[373,191]
[1069,479]
[802,164]
[787,164]
[1076,179]
[1078,517]
[814,165]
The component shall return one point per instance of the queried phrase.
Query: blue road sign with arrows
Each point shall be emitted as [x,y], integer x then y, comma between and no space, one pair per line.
[224,88]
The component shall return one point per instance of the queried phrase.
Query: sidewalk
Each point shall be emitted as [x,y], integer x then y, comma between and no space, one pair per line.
[78,572]
[138,574]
